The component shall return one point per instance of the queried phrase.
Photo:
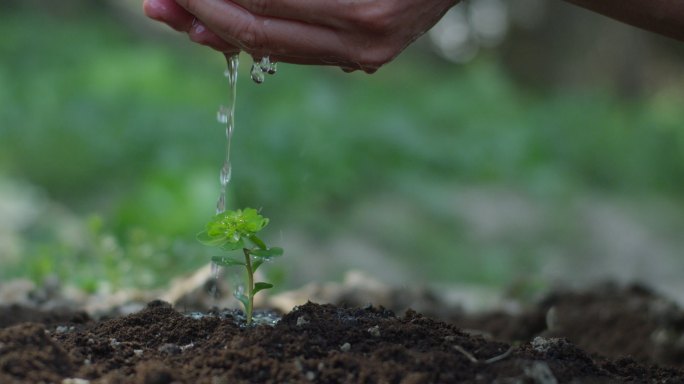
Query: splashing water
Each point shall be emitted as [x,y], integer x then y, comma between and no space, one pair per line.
[215,272]
[239,292]
[259,317]
[226,115]
[262,68]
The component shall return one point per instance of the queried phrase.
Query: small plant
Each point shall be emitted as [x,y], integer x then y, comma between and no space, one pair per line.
[234,230]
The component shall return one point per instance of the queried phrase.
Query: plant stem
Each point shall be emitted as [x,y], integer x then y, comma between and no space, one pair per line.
[250,285]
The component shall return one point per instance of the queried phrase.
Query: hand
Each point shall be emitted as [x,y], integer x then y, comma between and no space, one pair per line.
[176,17]
[352,34]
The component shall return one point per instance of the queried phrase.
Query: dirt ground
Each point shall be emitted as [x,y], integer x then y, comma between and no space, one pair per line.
[613,335]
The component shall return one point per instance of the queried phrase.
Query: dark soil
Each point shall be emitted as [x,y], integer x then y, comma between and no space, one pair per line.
[609,336]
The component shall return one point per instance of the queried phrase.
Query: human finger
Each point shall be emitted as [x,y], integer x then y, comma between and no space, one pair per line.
[290,39]
[199,33]
[330,13]
[170,13]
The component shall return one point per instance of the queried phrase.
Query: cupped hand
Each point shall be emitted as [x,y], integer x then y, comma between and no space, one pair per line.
[352,34]
[167,11]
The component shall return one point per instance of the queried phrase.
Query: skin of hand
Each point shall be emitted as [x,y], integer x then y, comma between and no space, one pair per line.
[352,34]
[172,14]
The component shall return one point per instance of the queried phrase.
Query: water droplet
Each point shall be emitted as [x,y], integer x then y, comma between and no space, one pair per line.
[221,203]
[261,68]
[266,259]
[272,69]
[257,73]
[226,173]
[215,271]
[239,291]
[267,66]
[223,115]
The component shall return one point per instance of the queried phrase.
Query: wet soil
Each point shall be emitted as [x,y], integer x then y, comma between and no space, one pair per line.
[610,335]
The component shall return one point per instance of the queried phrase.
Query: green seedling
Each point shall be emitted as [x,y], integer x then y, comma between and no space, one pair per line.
[234,230]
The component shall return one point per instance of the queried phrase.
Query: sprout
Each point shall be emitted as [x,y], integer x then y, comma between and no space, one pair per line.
[233,230]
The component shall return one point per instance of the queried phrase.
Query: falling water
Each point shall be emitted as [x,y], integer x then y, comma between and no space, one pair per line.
[215,271]
[226,115]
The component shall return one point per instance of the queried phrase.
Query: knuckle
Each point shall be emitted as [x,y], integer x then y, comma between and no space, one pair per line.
[375,17]
[191,6]
[249,37]
[199,38]
[260,7]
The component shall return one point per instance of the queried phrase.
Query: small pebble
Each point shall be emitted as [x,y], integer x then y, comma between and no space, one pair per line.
[138,352]
[542,345]
[374,331]
[301,321]
[345,347]
[170,349]
[219,380]
[311,376]
[540,372]
[75,381]
[188,346]
[298,365]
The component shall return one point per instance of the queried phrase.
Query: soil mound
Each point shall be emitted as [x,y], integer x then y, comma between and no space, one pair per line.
[312,343]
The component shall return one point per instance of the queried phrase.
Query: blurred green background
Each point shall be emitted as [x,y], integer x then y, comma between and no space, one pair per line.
[550,149]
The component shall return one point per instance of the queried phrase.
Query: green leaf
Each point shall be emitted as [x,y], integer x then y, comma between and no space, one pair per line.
[258,242]
[261,286]
[268,252]
[226,261]
[244,300]
[233,246]
[232,227]
[256,264]
[204,238]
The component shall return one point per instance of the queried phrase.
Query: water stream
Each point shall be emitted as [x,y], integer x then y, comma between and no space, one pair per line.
[226,116]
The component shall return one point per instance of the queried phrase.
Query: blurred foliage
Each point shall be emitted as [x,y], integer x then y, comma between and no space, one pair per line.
[118,129]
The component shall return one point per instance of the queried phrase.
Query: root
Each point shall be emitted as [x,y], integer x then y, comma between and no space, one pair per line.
[466,353]
[491,360]
[502,356]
